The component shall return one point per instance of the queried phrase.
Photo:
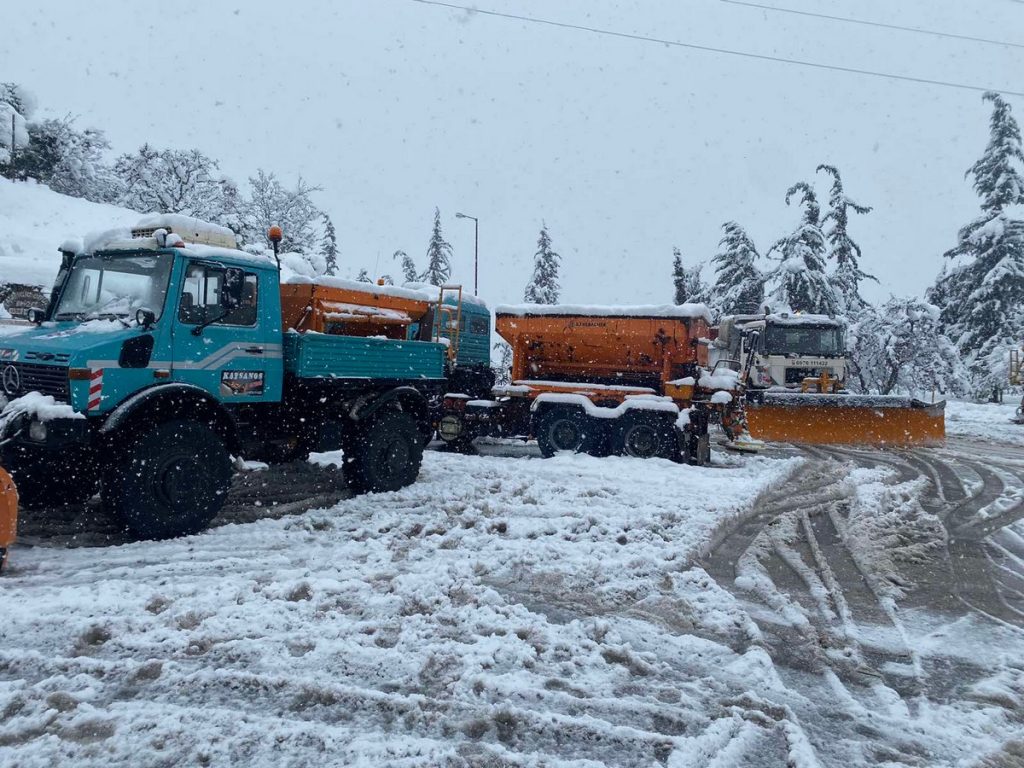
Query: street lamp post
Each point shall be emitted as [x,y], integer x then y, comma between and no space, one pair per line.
[476,249]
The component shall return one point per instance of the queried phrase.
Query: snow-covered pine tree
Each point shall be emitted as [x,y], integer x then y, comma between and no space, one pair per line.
[502,366]
[982,297]
[439,255]
[739,284]
[800,280]
[363,276]
[409,272]
[847,274]
[16,108]
[687,284]
[898,347]
[543,287]
[329,246]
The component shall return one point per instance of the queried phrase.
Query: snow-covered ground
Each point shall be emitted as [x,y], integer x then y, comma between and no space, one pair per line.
[985,421]
[35,220]
[543,612]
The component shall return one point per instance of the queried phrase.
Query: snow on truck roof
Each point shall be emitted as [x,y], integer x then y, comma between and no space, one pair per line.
[590,310]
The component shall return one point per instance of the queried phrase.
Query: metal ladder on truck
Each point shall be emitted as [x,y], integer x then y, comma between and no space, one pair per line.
[448,320]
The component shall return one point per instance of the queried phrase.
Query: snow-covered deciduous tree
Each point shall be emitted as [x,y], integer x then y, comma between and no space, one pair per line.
[847,274]
[543,287]
[739,284]
[270,202]
[16,108]
[982,296]
[799,280]
[899,348]
[439,255]
[687,285]
[69,161]
[329,246]
[409,272]
[176,181]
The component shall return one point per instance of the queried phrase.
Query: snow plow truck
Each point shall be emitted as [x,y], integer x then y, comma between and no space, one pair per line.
[794,373]
[165,351]
[603,380]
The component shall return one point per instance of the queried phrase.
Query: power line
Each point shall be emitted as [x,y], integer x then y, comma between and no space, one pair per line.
[848,20]
[712,49]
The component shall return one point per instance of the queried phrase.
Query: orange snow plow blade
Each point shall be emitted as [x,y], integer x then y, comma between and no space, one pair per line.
[8,515]
[845,420]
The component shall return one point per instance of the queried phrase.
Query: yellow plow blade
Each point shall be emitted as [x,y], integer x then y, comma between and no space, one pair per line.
[8,515]
[845,420]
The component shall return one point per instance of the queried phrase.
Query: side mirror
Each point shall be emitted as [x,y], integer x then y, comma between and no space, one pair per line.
[145,318]
[232,287]
[36,316]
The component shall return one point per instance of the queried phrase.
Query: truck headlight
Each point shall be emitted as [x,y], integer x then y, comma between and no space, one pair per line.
[37,431]
[449,428]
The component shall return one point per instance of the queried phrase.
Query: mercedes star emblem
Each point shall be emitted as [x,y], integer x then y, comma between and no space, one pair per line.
[11,380]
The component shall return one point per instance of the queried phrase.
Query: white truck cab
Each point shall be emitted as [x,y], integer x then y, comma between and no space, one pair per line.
[787,348]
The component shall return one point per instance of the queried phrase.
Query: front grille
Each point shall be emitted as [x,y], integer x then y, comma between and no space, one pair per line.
[46,379]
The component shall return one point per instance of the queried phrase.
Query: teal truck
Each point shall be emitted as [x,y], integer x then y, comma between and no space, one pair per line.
[158,360]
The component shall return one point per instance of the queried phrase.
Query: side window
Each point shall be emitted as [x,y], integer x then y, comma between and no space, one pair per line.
[200,298]
[479,326]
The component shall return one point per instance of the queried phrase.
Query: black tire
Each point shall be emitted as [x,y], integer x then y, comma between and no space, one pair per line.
[567,429]
[47,480]
[384,454]
[172,480]
[644,436]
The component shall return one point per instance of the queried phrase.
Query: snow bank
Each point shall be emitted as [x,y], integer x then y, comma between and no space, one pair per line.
[990,422]
[34,220]
[593,310]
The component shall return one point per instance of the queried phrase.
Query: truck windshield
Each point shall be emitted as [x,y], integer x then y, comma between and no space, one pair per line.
[114,286]
[804,340]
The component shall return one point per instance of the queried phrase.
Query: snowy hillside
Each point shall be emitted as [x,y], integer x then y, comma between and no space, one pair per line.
[35,220]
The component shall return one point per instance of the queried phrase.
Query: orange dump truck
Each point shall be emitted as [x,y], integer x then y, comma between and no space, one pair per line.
[602,380]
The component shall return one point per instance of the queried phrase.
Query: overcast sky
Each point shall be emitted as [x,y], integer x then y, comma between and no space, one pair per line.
[625,148]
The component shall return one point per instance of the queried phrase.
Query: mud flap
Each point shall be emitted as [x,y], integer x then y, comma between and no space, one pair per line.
[8,516]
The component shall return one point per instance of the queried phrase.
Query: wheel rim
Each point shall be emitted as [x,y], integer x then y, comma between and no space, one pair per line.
[642,441]
[565,435]
[180,478]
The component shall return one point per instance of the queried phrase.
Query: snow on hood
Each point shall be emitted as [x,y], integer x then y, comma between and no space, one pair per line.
[594,310]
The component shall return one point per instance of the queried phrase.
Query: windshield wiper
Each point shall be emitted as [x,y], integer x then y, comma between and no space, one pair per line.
[198,330]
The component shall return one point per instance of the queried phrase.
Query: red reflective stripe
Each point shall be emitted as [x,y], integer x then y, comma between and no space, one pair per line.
[95,388]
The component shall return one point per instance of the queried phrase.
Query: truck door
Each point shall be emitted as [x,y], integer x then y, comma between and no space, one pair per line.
[225,349]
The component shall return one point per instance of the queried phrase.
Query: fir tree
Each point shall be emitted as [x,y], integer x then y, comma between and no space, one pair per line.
[409,272]
[739,284]
[439,253]
[543,287]
[982,298]
[846,253]
[688,287]
[800,280]
[17,105]
[329,246]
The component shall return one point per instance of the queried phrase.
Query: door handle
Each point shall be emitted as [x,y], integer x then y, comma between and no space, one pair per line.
[254,350]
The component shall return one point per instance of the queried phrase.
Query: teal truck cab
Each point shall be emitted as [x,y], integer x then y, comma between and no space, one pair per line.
[157,360]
